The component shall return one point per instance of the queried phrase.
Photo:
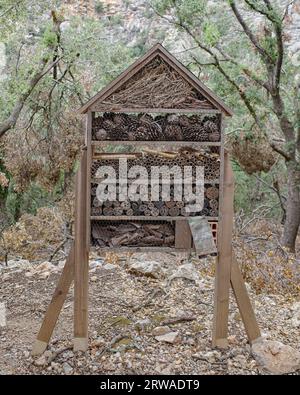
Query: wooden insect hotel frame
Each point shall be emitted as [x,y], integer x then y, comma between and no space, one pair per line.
[155,104]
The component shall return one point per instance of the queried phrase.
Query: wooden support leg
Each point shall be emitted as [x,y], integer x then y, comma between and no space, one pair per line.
[243,302]
[223,262]
[55,305]
[81,260]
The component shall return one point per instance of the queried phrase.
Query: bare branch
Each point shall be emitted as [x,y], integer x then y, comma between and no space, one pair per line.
[250,34]
[249,73]
[42,70]
[10,8]
[280,151]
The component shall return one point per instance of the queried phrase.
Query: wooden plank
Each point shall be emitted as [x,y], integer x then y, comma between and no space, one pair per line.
[183,236]
[81,260]
[223,262]
[139,249]
[143,218]
[97,180]
[88,138]
[55,306]
[159,143]
[243,302]
[136,110]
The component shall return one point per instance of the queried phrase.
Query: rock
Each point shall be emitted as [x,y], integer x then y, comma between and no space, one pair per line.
[276,357]
[67,368]
[147,268]
[295,321]
[2,315]
[68,355]
[96,264]
[161,330]
[6,277]
[44,275]
[48,355]
[61,264]
[142,325]
[99,342]
[23,263]
[187,271]
[171,337]
[232,339]
[41,361]
[212,356]
[109,266]
[94,278]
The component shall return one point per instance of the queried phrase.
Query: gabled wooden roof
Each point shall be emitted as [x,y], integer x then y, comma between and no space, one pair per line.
[104,100]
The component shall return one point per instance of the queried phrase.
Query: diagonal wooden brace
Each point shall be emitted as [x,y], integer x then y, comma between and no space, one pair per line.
[55,305]
[243,302]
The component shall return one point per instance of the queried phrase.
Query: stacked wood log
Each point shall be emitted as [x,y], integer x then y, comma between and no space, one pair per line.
[132,234]
[158,208]
[144,127]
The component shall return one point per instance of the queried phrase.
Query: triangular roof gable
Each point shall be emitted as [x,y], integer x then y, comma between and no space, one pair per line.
[138,65]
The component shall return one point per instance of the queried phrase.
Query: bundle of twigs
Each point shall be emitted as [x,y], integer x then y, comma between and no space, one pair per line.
[168,90]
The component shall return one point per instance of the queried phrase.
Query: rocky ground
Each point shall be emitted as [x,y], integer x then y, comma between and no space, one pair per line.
[145,318]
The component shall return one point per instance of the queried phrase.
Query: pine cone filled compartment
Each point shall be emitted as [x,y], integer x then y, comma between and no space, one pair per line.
[166,127]
[116,234]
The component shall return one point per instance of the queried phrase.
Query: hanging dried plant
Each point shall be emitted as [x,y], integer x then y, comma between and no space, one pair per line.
[252,150]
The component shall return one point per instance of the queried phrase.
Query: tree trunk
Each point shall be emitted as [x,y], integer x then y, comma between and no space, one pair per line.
[292,222]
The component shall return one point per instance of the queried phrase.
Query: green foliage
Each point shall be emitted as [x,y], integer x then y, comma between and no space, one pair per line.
[211,34]
[49,37]
[99,7]
[189,12]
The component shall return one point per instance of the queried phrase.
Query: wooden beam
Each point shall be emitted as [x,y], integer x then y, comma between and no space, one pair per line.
[55,305]
[243,302]
[88,139]
[183,236]
[223,261]
[81,260]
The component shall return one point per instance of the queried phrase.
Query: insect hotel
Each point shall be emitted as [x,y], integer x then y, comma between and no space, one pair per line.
[155,114]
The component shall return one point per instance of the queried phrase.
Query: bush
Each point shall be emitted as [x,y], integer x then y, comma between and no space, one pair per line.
[99,7]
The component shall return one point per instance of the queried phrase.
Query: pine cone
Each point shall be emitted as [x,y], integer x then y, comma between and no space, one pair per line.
[142,133]
[120,119]
[210,127]
[173,132]
[101,134]
[215,136]
[184,121]
[118,133]
[108,124]
[195,133]
[155,132]
[172,119]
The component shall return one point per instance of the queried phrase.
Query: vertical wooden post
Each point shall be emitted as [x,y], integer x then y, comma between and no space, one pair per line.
[223,262]
[88,143]
[81,259]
